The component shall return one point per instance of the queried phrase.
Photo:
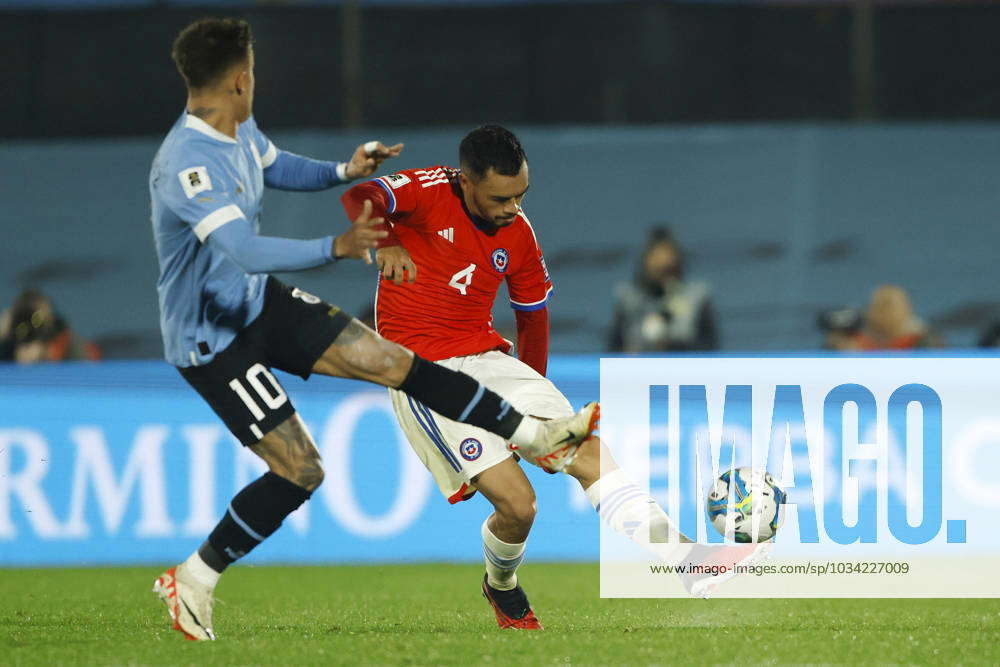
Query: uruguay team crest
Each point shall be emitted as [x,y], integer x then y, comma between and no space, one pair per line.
[471,449]
[500,258]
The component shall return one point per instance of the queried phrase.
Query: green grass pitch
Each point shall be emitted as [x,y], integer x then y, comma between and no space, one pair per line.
[433,614]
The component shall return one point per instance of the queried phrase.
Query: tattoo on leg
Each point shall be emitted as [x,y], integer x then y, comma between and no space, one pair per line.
[352,333]
[290,443]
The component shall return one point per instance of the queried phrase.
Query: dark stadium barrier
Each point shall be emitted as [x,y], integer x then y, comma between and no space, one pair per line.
[108,72]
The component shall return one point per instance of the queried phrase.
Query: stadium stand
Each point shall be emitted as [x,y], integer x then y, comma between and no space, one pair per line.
[782,220]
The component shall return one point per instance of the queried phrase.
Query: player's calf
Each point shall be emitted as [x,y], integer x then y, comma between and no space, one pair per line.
[290,453]
[518,515]
[586,465]
[259,509]
[625,507]
[512,519]
[507,488]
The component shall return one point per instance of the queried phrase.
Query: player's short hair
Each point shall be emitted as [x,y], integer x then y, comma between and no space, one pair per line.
[207,48]
[491,146]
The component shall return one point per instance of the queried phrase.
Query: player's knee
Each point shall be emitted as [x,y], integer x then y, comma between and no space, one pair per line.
[308,473]
[520,512]
[525,512]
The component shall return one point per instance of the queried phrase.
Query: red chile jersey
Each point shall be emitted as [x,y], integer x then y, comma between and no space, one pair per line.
[447,312]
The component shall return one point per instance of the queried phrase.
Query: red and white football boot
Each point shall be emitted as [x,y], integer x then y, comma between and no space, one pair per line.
[511,607]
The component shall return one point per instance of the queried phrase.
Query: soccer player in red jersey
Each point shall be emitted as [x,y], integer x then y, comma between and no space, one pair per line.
[455,236]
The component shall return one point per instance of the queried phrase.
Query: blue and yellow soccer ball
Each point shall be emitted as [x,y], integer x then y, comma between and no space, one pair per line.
[746,505]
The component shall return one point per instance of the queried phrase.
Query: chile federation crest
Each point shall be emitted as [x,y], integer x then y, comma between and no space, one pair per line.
[500,259]
[471,449]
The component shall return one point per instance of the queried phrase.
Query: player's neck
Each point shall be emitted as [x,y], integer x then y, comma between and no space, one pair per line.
[211,110]
[481,223]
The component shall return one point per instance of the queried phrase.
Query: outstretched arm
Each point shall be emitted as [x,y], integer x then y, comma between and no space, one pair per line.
[265,254]
[287,171]
[202,196]
[294,172]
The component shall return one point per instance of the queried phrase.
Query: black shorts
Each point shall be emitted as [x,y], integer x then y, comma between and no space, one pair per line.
[291,333]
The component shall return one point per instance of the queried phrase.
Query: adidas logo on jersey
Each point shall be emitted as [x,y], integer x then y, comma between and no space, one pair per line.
[432,177]
[448,234]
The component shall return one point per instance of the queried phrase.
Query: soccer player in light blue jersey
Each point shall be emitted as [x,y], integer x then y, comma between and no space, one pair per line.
[226,323]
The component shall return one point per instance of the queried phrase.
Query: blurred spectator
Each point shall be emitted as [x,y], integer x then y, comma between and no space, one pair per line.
[32,331]
[660,311]
[991,336]
[890,323]
[841,329]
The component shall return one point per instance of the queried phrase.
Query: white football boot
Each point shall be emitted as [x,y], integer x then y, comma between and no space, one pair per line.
[188,602]
[558,440]
[722,558]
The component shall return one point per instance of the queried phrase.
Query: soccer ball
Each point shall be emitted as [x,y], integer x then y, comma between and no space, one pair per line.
[746,505]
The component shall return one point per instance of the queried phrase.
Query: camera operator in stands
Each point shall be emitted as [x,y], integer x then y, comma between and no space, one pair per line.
[841,329]
[659,311]
[891,324]
[31,331]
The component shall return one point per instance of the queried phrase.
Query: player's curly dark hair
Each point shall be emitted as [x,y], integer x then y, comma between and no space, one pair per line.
[204,50]
[491,146]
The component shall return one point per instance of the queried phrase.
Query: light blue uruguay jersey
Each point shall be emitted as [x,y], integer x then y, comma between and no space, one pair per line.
[206,191]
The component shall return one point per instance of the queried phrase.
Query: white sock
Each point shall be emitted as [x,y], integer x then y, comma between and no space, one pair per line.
[501,558]
[632,512]
[526,431]
[202,573]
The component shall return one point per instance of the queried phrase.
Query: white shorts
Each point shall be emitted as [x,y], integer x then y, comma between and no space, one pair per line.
[455,452]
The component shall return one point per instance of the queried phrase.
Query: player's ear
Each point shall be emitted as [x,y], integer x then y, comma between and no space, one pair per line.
[242,82]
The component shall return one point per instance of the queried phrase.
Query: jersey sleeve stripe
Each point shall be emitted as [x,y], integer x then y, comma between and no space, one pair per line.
[534,305]
[268,158]
[256,155]
[216,219]
[427,184]
[530,227]
[392,197]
